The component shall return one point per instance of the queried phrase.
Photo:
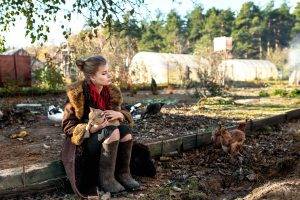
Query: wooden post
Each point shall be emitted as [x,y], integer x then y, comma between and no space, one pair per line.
[15,68]
[1,83]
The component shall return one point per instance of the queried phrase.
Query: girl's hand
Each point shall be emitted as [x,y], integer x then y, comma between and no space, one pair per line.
[113,115]
[96,128]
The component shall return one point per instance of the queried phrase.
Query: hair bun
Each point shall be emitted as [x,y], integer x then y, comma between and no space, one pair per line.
[80,64]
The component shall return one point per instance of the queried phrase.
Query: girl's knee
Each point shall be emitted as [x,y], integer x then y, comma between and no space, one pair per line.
[127,137]
[115,136]
[125,131]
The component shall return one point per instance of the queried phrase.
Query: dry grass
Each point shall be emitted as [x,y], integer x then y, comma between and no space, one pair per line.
[287,189]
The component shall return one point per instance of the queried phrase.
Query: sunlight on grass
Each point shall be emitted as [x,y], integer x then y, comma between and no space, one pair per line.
[249,104]
[247,111]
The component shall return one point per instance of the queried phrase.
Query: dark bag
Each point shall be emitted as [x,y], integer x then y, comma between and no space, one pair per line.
[141,163]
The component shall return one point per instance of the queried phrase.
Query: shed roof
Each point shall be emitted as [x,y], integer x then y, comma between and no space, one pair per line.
[14,51]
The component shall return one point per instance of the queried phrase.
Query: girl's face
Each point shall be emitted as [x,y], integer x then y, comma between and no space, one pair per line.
[102,76]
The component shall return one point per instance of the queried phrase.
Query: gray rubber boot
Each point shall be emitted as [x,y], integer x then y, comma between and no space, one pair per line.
[107,180]
[123,166]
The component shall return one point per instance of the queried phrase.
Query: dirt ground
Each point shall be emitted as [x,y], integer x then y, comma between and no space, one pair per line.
[269,168]
[269,157]
[208,173]
[180,116]
[45,138]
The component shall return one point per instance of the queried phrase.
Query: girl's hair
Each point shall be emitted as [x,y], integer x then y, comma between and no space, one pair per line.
[90,66]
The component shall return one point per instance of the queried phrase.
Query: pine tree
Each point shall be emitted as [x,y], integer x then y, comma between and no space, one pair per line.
[280,24]
[227,22]
[217,23]
[296,29]
[173,33]
[152,39]
[195,23]
[212,24]
[248,32]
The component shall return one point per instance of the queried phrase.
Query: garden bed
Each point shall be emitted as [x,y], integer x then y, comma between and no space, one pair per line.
[268,168]
[180,117]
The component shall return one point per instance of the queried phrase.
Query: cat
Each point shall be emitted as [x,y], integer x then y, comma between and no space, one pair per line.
[97,117]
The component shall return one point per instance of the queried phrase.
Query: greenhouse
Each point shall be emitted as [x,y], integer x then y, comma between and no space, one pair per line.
[248,70]
[165,68]
[168,68]
[294,62]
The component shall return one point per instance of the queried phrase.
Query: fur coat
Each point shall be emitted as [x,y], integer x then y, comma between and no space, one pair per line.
[74,123]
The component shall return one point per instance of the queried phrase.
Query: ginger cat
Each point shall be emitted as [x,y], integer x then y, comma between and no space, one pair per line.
[97,117]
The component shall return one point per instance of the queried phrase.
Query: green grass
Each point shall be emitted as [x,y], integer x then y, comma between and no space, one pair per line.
[28,91]
[280,92]
[263,94]
[162,192]
[295,93]
[276,98]
[271,106]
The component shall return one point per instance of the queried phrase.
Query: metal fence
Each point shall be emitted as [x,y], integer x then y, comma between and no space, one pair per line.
[15,69]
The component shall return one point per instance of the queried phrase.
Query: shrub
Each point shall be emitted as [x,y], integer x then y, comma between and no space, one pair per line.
[49,77]
[294,93]
[210,77]
[280,92]
[28,91]
[263,93]
[218,100]
[10,87]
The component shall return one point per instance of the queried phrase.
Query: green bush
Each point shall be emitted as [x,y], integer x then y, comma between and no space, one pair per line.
[207,88]
[263,93]
[294,93]
[28,91]
[49,77]
[134,90]
[215,89]
[10,86]
[280,92]
[218,100]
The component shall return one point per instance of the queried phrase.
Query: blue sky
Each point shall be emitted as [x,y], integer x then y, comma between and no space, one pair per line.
[16,37]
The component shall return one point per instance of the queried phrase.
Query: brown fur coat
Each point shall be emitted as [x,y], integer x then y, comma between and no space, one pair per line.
[74,124]
[76,111]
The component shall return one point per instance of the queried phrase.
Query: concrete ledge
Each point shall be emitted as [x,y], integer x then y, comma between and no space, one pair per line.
[203,138]
[293,114]
[155,148]
[33,177]
[171,145]
[11,178]
[189,142]
[269,121]
[44,186]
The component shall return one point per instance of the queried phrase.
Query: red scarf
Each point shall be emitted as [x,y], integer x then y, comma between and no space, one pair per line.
[101,101]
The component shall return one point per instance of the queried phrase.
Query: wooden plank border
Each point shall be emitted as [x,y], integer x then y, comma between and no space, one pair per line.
[189,142]
[269,121]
